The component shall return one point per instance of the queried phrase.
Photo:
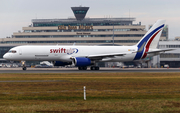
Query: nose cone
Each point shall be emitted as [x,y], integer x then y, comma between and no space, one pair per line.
[5,56]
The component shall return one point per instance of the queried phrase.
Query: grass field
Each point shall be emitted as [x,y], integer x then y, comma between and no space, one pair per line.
[106,92]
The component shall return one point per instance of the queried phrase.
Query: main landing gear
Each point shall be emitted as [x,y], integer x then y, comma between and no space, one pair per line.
[23,65]
[82,68]
[92,68]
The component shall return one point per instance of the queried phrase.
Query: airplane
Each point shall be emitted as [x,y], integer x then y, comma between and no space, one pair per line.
[84,56]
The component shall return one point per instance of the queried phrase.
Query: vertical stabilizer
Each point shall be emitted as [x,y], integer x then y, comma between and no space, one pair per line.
[150,39]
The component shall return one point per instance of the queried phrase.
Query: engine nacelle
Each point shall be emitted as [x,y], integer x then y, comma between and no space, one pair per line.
[59,63]
[81,61]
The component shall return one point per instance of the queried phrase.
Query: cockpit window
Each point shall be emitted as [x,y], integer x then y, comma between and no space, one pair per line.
[12,51]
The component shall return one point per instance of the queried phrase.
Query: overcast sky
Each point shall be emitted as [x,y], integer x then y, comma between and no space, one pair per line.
[15,14]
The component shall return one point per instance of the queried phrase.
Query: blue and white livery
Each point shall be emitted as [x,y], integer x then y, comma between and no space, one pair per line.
[84,56]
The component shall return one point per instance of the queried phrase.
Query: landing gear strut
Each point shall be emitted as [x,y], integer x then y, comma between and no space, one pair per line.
[23,65]
[94,67]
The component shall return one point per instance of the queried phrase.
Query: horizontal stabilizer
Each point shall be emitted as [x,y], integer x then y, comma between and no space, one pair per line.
[159,50]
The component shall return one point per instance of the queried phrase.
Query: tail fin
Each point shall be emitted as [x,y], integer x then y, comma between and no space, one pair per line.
[150,39]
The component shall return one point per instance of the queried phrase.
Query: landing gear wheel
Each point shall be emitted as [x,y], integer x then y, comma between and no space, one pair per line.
[24,68]
[82,68]
[94,68]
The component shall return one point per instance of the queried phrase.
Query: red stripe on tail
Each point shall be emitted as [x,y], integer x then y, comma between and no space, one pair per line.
[148,44]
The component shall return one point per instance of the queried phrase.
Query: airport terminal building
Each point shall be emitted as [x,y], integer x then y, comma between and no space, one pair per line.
[90,31]
[79,31]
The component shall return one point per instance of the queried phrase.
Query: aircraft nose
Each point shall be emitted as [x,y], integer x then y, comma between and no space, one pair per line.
[5,56]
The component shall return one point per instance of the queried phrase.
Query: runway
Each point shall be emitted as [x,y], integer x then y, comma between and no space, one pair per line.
[75,70]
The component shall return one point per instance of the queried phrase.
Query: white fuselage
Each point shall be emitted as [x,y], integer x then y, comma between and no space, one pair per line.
[65,53]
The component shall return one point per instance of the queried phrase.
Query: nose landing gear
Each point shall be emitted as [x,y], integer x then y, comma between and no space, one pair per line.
[24,68]
[23,65]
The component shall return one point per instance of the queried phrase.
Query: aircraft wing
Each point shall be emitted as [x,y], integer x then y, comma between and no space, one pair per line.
[101,56]
[159,50]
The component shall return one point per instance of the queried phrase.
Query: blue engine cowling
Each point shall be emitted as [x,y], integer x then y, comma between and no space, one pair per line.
[59,63]
[81,61]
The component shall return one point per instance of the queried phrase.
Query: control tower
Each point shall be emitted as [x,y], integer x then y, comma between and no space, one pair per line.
[80,12]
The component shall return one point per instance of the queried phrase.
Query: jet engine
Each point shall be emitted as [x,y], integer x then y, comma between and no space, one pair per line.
[81,62]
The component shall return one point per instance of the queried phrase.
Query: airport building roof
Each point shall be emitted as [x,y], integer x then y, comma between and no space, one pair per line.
[86,21]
